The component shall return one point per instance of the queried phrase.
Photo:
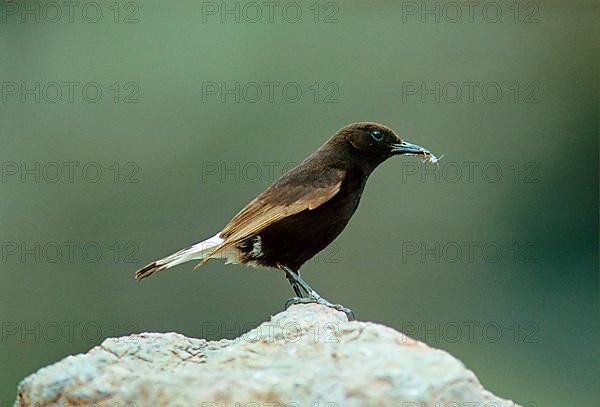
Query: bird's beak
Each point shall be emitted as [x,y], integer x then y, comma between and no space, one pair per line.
[408,148]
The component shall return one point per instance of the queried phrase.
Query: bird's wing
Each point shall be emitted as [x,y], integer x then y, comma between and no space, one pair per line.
[299,190]
[294,193]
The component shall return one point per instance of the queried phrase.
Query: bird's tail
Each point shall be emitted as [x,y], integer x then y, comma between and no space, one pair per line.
[198,251]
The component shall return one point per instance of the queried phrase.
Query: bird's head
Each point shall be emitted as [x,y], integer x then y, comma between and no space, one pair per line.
[375,143]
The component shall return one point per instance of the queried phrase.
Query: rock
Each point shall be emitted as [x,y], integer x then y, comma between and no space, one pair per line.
[309,356]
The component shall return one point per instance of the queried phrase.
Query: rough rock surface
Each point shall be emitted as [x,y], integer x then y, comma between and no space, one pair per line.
[309,356]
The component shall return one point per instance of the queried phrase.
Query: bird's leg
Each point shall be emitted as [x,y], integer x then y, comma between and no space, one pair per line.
[295,286]
[297,282]
[313,296]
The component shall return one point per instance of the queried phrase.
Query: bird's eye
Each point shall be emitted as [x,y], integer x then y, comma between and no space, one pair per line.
[377,135]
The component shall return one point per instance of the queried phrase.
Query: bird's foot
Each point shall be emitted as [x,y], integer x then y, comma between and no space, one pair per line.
[297,300]
[349,313]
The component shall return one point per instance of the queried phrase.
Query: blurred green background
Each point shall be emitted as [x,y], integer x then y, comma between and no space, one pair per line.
[179,161]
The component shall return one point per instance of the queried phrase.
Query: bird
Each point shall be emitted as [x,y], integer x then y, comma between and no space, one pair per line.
[302,212]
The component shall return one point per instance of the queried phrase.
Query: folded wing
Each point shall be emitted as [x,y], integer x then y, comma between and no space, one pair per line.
[292,194]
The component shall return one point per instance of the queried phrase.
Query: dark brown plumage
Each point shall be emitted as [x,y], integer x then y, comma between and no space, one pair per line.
[302,212]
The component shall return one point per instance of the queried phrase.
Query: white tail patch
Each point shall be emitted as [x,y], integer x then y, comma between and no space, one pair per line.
[196,252]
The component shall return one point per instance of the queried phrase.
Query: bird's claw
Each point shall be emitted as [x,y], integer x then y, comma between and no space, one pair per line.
[349,313]
[297,300]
